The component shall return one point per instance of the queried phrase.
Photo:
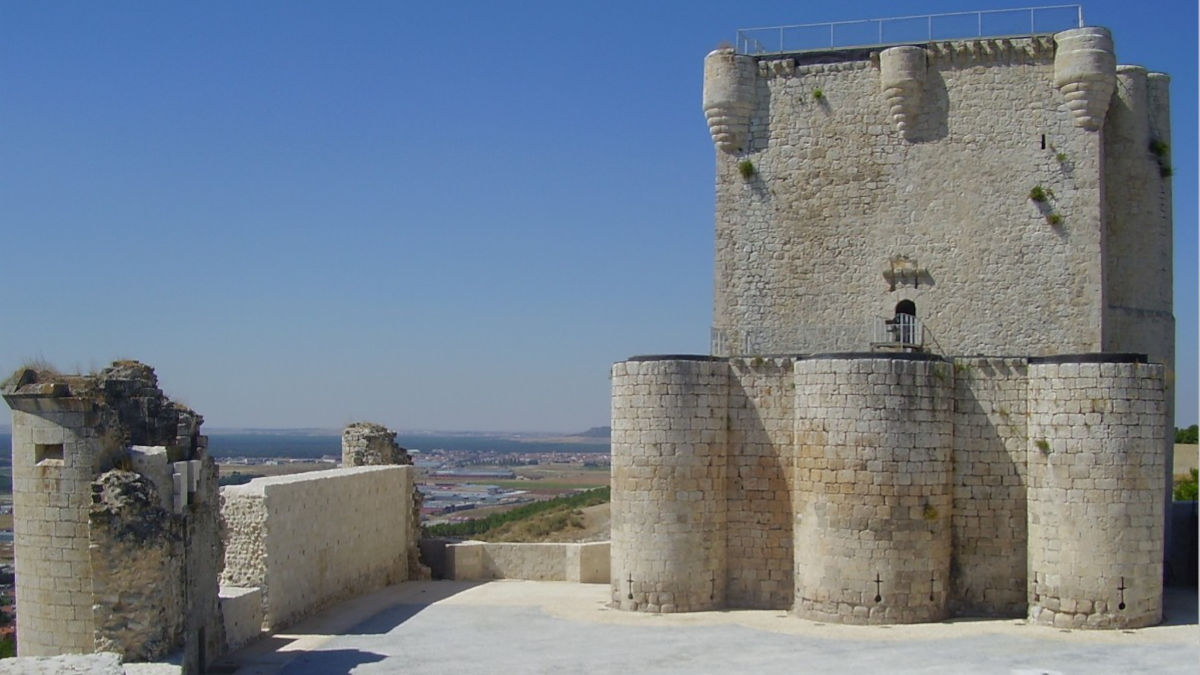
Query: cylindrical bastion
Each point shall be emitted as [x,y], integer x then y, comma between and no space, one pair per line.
[873,487]
[668,473]
[1096,462]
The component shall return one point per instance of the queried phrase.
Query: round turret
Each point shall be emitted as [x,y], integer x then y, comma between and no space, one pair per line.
[728,98]
[1085,72]
[902,77]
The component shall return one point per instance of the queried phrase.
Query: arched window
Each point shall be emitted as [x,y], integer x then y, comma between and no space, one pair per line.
[906,322]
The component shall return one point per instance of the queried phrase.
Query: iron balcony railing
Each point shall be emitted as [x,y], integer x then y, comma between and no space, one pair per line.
[899,30]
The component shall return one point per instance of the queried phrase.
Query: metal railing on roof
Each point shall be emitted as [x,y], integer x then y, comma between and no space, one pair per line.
[899,30]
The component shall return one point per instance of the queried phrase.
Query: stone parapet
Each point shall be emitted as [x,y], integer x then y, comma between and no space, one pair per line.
[307,540]
[586,563]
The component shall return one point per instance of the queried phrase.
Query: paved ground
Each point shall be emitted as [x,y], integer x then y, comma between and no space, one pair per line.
[553,627]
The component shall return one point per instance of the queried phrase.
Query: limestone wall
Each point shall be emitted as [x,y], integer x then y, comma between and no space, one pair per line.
[988,522]
[242,612]
[321,536]
[668,463]
[51,498]
[873,493]
[759,520]
[477,560]
[1096,457]
[868,190]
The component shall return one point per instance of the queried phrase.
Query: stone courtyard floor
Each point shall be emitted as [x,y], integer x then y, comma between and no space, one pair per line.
[504,627]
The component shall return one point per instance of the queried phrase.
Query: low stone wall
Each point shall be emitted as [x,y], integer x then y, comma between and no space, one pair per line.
[242,612]
[478,560]
[310,539]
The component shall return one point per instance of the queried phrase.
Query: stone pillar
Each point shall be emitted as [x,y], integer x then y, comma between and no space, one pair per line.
[1096,458]
[1085,72]
[873,488]
[668,483]
[729,98]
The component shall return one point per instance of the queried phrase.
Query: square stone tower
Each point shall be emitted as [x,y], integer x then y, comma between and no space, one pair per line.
[1000,196]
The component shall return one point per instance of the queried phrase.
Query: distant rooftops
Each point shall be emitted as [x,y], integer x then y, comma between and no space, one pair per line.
[900,30]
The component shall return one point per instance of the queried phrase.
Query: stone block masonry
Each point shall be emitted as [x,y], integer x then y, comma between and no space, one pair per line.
[1095,512]
[116,518]
[585,563]
[877,209]
[913,487]
[310,539]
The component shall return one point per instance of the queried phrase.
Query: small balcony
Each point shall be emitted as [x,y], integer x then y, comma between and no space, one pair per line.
[900,333]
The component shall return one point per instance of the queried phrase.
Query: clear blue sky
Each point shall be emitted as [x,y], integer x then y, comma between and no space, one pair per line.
[444,215]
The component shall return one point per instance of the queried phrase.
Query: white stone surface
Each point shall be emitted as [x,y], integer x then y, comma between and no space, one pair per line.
[312,538]
[478,560]
[242,612]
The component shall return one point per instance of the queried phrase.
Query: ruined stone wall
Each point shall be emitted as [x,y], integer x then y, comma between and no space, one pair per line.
[325,535]
[1096,456]
[370,444]
[906,175]
[116,532]
[988,526]
[873,488]
[759,519]
[669,479]
[137,581]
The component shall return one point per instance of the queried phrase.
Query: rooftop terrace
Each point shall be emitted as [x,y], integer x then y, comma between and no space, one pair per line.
[901,30]
[560,627]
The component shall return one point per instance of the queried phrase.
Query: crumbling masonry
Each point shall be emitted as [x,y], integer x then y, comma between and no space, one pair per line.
[117,518]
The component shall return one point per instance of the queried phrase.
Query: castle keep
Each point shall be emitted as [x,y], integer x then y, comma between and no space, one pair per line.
[941,336]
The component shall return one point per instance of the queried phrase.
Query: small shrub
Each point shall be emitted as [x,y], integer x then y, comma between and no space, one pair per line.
[1158,148]
[1188,435]
[1185,489]
[1043,445]
[746,168]
[1061,157]
[1165,171]
[1053,219]
[1039,194]
[818,95]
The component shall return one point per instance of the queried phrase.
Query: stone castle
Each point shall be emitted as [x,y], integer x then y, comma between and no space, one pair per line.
[941,345]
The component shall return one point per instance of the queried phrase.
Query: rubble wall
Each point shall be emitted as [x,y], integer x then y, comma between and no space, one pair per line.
[324,536]
[856,164]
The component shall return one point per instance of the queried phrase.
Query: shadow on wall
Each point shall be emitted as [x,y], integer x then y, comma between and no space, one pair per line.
[936,100]
[1182,546]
